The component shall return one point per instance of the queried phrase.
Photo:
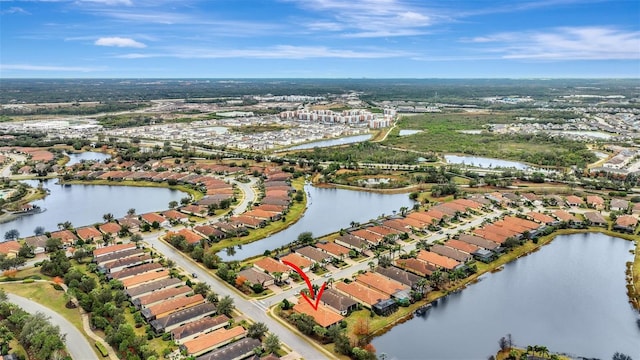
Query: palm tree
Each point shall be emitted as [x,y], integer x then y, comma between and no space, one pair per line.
[543,351]
[403,210]
[65,225]
[372,265]
[422,284]
[330,281]
[108,217]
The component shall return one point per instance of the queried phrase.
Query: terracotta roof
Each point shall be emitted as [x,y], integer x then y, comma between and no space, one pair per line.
[368,236]
[197,326]
[333,248]
[572,199]
[89,232]
[395,224]
[438,260]
[436,213]
[151,217]
[113,249]
[64,235]
[189,236]
[381,230]
[145,278]
[414,223]
[462,246]
[468,203]
[174,304]
[195,209]
[111,228]
[163,294]
[362,293]
[174,215]
[271,265]
[626,221]
[208,230]
[564,216]
[422,217]
[595,200]
[417,266]
[297,260]
[213,340]
[7,247]
[542,218]
[381,283]
[324,316]
[136,270]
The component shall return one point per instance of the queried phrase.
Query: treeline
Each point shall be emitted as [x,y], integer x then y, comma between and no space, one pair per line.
[75,109]
[366,152]
[40,339]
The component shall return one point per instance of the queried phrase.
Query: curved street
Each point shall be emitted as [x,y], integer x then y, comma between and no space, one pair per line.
[77,345]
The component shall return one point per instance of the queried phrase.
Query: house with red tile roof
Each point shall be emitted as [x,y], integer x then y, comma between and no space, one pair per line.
[397,225]
[66,236]
[195,210]
[112,249]
[595,202]
[174,215]
[422,217]
[438,260]
[368,236]
[248,221]
[542,218]
[209,231]
[10,248]
[110,228]
[381,283]
[135,271]
[414,223]
[270,266]
[165,308]
[416,266]
[334,249]
[89,234]
[213,340]
[384,231]
[636,208]
[573,200]
[189,236]
[461,246]
[626,223]
[134,281]
[323,316]
[157,297]
[365,295]
[263,215]
[299,261]
[437,213]
[150,218]
[565,216]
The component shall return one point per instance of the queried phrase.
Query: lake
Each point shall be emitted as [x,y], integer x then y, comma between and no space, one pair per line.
[406,132]
[328,210]
[484,162]
[75,158]
[332,142]
[569,296]
[85,205]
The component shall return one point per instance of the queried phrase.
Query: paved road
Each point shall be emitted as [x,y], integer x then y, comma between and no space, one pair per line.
[250,309]
[249,194]
[77,345]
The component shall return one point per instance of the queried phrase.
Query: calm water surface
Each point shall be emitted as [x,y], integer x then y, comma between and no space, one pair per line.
[75,158]
[484,162]
[328,210]
[570,296]
[332,142]
[85,204]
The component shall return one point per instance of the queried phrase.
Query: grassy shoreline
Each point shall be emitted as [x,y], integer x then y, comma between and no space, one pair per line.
[296,211]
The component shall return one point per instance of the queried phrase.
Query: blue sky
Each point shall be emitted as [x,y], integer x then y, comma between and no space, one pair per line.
[319,38]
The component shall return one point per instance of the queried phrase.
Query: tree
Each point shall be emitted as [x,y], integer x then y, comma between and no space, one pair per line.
[12,234]
[271,343]
[26,251]
[136,238]
[53,244]
[38,231]
[173,204]
[372,265]
[621,356]
[225,305]
[108,217]
[257,330]
[131,212]
[185,200]
[201,288]
[305,237]
[65,225]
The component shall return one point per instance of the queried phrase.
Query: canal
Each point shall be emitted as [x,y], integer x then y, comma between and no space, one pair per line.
[85,204]
[328,210]
[570,296]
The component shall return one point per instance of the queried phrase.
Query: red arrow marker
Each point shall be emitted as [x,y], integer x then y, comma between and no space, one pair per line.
[314,305]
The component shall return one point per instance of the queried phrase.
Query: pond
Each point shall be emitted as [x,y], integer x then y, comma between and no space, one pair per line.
[332,142]
[408,132]
[570,296]
[75,158]
[484,162]
[85,205]
[328,210]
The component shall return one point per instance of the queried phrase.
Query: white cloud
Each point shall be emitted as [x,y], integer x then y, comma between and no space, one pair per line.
[15,10]
[566,43]
[29,67]
[276,52]
[119,42]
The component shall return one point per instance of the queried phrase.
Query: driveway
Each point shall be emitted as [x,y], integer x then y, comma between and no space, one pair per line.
[77,345]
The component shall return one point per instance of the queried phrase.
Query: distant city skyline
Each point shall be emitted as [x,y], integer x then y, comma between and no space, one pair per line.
[319,39]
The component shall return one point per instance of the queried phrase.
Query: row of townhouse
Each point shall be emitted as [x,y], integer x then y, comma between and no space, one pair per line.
[169,305]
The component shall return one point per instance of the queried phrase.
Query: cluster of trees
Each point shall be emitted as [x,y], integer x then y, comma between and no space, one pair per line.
[366,152]
[41,339]
[74,109]
[105,302]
